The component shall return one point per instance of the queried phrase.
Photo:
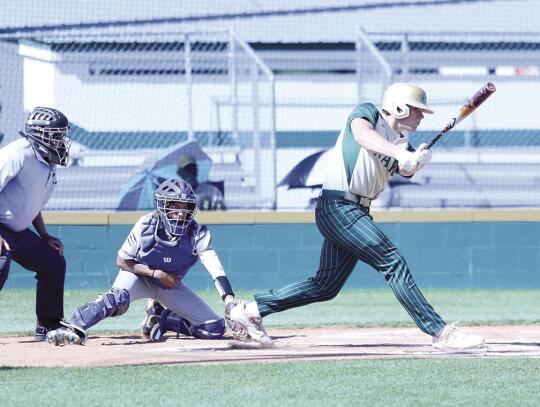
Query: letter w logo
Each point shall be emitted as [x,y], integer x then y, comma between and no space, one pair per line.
[167,259]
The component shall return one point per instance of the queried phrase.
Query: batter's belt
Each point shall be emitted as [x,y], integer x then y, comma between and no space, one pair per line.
[332,195]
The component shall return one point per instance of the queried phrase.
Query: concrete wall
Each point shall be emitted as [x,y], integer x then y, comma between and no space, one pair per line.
[456,249]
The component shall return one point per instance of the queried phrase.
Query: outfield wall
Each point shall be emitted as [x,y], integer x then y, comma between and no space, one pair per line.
[451,248]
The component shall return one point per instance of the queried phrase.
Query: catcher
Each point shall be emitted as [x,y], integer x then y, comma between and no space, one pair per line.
[157,254]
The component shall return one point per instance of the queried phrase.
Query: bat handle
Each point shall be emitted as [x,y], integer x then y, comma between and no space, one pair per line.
[438,136]
[432,142]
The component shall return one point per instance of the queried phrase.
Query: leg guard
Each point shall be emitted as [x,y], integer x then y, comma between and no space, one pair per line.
[111,304]
[213,329]
[169,321]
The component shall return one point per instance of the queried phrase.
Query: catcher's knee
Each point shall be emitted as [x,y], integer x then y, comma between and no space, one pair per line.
[111,304]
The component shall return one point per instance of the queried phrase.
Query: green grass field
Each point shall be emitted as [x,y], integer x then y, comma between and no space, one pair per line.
[446,382]
[350,308]
[456,382]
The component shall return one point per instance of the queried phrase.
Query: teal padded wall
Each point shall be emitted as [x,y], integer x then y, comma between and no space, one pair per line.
[258,256]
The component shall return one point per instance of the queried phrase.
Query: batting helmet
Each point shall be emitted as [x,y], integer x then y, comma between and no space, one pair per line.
[399,96]
[46,129]
[176,205]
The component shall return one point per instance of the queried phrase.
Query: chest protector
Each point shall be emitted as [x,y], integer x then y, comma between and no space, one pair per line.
[174,257]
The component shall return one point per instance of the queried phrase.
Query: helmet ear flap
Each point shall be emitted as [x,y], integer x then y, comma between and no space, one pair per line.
[396,110]
[401,111]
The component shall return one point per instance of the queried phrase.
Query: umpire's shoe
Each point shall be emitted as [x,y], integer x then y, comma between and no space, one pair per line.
[44,326]
[153,315]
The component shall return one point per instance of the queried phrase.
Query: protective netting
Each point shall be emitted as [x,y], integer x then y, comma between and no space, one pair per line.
[141,100]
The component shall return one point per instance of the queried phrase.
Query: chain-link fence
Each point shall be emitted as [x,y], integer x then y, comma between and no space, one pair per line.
[488,160]
[140,102]
[141,106]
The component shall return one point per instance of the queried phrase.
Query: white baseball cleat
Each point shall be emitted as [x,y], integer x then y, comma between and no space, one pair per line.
[253,325]
[453,339]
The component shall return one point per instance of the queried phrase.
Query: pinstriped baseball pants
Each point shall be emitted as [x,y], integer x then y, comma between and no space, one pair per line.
[350,235]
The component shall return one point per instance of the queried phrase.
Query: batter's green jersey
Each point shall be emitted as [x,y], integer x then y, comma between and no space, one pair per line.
[354,169]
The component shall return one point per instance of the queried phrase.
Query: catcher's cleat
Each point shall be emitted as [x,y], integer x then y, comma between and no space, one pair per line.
[153,313]
[252,325]
[67,334]
[453,339]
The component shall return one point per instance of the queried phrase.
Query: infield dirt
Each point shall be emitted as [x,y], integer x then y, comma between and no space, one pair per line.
[290,345]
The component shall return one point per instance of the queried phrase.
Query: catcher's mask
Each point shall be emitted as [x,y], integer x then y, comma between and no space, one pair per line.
[176,205]
[46,129]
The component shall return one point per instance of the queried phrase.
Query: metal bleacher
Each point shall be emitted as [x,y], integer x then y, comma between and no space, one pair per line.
[478,167]
[479,178]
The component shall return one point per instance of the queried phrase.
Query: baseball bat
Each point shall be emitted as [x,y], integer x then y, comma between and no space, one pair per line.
[470,106]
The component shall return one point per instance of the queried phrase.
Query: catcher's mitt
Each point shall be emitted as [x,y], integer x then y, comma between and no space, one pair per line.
[238,331]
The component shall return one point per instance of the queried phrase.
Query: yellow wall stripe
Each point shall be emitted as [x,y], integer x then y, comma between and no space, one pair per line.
[260,217]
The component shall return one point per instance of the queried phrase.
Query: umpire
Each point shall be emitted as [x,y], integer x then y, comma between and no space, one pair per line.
[27,179]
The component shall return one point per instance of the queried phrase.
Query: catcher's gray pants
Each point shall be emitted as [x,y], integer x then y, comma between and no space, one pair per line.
[179,299]
[350,235]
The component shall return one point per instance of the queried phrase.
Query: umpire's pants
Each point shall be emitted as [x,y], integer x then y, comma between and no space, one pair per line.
[27,249]
[350,235]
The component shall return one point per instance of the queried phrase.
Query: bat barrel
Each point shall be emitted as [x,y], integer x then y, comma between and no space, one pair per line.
[470,106]
[490,87]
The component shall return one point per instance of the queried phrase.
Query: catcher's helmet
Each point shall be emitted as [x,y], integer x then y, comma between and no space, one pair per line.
[399,96]
[46,129]
[176,205]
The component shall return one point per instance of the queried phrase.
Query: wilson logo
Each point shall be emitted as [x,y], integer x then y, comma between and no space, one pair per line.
[167,259]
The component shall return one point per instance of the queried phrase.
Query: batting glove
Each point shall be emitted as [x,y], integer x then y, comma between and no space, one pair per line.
[408,162]
[423,155]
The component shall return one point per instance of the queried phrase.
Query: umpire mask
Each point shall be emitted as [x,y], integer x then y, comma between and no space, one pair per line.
[47,130]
